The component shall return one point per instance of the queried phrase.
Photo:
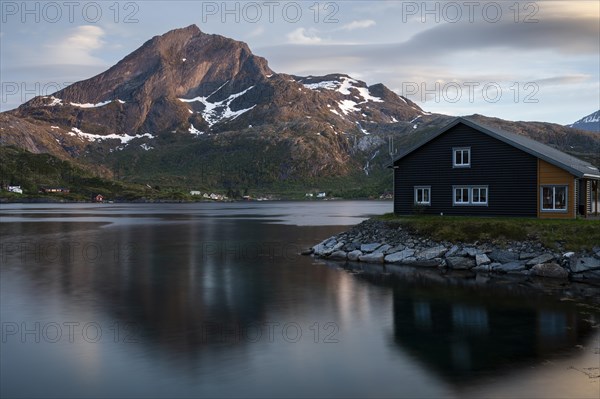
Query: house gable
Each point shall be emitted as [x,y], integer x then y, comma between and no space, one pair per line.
[507,173]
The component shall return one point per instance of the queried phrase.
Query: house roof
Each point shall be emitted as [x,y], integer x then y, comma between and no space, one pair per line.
[575,166]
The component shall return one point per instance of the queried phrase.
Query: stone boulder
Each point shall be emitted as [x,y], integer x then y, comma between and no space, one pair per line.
[584,264]
[550,270]
[382,249]
[460,262]
[367,248]
[354,255]
[511,267]
[482,259]
[399,257]
[501,256]
[432,253]
[544,258]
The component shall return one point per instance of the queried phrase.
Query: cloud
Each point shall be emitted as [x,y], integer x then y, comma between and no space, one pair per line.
[362,24]
[304,36]
[259,31]
[565,36]
[565,80]
[77,47]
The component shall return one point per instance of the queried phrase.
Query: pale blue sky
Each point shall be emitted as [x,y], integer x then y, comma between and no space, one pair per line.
[449,57]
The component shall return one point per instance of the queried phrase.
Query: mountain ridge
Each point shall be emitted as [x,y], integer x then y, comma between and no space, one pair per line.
[589,122]
[187,107]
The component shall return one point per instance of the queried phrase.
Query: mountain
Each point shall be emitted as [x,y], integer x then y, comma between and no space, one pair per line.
[590,122]
[201,111]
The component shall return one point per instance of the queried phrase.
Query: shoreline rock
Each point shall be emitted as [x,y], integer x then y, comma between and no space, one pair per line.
[375,241]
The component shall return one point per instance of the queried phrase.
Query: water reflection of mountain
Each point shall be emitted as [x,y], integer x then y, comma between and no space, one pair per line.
[184,288]
[465,330]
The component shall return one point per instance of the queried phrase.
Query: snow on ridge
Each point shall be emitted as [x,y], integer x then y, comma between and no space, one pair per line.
[55,101]
[124,138]
[146,147]
[346,85]
[595,117]
[326,84]
[220,110]
[366,95]
[90,105]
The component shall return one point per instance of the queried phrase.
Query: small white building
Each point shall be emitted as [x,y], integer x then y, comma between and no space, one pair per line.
[194,192]
[321,195]
[15,189]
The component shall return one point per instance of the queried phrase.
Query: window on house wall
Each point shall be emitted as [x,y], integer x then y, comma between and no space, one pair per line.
[461,157]
[470,195]
[479,195]
[423,195]
[554,198]
[461,196]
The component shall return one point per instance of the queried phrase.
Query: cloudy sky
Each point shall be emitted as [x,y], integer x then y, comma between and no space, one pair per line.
[518,60]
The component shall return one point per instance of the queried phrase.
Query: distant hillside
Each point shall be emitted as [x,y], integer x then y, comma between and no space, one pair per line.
[36,171]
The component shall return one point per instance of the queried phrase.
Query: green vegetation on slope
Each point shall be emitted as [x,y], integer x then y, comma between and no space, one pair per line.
[570,234]
[33,172]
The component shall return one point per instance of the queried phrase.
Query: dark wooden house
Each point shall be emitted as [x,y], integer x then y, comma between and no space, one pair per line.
[470,169]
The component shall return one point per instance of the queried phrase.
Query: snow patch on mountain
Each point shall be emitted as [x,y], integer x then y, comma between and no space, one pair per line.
[366,95]
[194,131]
[362,129]
[124,138]
[344,88]
[348,106]
[90,105]
[215,112]
[590,123]
[54,101]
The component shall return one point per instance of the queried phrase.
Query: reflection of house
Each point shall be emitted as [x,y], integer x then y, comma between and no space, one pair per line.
[469,169]
[462,340]
[60,190]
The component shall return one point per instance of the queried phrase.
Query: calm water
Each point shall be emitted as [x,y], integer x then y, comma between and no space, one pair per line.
[193,300]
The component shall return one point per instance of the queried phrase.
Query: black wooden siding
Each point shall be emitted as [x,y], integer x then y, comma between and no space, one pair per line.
[509,173]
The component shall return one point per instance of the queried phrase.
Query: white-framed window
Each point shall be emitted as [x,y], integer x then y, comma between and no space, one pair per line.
[479,195]
[554,198]
[470,195]
[423,195]
[461,157]
[461,196]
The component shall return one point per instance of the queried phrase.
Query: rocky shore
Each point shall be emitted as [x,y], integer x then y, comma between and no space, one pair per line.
[378,242]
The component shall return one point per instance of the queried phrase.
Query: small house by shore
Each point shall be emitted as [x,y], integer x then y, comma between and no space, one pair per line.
[473,170]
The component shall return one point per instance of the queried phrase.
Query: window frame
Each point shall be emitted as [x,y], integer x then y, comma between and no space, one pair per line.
[455,150]
[424,188]
[470,190]
[554,209]
[480,203]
